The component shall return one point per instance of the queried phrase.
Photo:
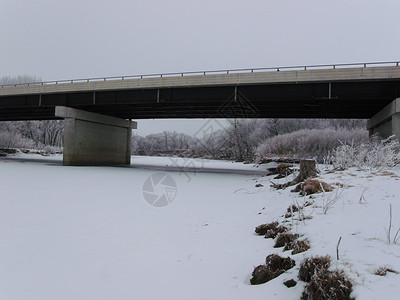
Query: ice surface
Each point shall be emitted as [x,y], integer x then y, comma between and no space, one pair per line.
[89,233]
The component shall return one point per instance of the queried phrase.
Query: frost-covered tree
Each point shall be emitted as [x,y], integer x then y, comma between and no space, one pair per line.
[162,142]
[242,137]
[29,134]
[6,80]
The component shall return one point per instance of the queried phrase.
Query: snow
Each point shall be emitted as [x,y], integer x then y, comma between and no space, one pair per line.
[88,233]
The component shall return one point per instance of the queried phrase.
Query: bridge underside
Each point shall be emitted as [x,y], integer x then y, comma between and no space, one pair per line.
[97,132]
[307,100]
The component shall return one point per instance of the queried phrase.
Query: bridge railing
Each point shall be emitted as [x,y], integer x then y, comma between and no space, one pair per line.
[213,72]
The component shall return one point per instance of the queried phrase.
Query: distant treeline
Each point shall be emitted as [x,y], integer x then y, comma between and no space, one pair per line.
[255,139]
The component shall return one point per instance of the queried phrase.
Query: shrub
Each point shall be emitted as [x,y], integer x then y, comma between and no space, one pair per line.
[276,263]
[273,232]
[285,238]
[261,274]
[328,285]
[309,143]
[312,265]
[297,246]
[373,155]
[274,266]
[263,228]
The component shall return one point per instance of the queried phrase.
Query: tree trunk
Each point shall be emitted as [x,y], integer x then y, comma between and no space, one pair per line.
[307,170]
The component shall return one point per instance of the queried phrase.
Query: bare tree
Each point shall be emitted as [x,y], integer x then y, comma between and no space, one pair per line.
[38,133]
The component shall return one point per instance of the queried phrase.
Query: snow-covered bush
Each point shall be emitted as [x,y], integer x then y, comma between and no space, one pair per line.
[31,134]
[275,265]
[373,155]
[310,266]
[328,285]
[308,143]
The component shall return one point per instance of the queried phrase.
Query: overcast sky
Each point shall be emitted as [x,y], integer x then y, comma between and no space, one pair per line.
[64,39]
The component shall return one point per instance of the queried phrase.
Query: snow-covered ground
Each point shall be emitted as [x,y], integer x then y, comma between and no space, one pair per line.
[89,233]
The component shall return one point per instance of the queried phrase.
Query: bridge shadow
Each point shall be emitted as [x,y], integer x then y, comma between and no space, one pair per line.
[193,170]
[57,161]
[48,160]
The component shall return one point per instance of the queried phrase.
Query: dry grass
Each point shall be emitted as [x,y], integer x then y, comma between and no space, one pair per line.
[263,228]
[272,233]
[328,285]
[290,210]
[312,186]
[274,266]
[261,274]
[277,263]
[283,170]
[298,246]
[382,271]
[283,167]
[312,265]
[285,238]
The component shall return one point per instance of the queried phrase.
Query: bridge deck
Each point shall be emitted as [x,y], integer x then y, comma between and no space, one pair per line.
[357,92]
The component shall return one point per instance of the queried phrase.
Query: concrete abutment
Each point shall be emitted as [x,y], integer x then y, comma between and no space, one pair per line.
[92,139]
[387,121]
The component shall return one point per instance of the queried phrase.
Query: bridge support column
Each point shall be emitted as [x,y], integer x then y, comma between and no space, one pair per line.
[94,139]
[387,121]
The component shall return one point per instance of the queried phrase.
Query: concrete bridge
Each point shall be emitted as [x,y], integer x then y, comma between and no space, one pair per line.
[96,110]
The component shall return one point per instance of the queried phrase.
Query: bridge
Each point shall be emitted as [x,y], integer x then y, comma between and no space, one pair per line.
[97,109]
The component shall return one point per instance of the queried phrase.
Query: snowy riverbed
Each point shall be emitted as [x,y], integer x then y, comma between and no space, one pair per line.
[89,233]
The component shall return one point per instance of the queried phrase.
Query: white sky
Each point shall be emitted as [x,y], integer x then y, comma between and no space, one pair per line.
[67,39]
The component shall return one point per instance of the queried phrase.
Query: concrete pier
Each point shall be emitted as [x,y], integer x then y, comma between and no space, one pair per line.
[387,121]
[95,139]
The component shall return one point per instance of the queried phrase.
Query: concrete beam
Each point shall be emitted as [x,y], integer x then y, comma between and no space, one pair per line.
[94,139]
[387,121]
[270,77]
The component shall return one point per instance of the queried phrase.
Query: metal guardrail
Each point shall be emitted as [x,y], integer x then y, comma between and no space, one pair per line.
[214,72]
